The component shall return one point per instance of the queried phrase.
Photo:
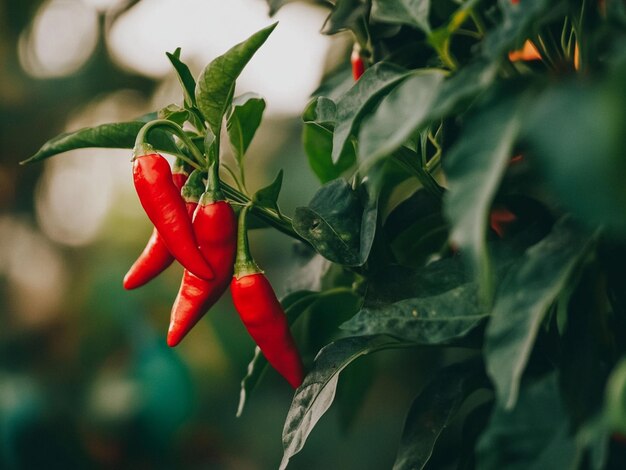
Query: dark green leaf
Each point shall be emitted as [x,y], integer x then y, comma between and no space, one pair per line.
[532,436]
[337,225]
[398,116]
[474,168]
[411,12]
[346,14]
[268,196]
[174,113]
[243,121]
[615,409]
[431,412]
[350,107]
[187,82]
[526,293]
[115,135]
[216,83]
[317,392]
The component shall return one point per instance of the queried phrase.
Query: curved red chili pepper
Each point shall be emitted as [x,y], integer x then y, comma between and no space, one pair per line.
[162,203]
[358,66]
[155,257]
[215,225]
[262,315]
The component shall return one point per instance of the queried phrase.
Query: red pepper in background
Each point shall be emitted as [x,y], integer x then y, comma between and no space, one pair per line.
[358,66]
[215,226]
[155,257]
[162,203]
[261,312]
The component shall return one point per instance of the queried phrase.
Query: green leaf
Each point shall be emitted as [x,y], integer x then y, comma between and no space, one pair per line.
[174,113]
[439,319]
[114,135]
[317,392]
[398,116]
[432,411]
[337,225]
[526,293]
[294,304]
[268,196]
[532,436]
[243,121]
[615,402]
[187,82]
[411,12]
[474,168]
[346,15]
[216,83]
[352,105]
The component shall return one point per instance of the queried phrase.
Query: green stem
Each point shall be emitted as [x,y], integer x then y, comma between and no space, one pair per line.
[141,141]
[244,263]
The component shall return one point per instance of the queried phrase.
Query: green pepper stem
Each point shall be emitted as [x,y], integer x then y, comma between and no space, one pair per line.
[141,144]
[213,192]
[244,263]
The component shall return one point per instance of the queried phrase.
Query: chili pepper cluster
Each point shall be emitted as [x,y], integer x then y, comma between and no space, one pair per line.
[196,225]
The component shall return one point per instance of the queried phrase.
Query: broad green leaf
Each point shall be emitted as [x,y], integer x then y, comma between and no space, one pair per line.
[615,401]
[346,14]
[317,392]
[337,224]
[474,168]
[405,109]
[114,135]
[575,137]
[187,82]
[432,411]
[216,83]
[268,196]
[174,113]
[532,436]
[294,305]
[439,319]
[411,12]
[352,104]
[526,293]
[243,121]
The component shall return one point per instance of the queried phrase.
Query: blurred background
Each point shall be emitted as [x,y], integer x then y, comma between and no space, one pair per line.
[86,379]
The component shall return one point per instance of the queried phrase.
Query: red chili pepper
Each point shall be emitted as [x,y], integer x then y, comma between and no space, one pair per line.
[358,66]
[215,225]
[262,314]
[165,208]
[155,257]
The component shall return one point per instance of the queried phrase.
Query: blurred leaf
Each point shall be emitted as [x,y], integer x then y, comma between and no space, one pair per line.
[615,404]
[243,121]
[432,411]
[216,83]
[474,168]
[337,225]
[317,392]
[439,319]
[527,292]
[353,103]
[268,196]
[346,14]
[532,436]
[115,135]
[398,116]
[187,82]
[294,305]
[575,135]
[174,113]
[411,12]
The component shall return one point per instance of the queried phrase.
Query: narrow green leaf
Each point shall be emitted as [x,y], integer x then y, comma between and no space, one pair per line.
[352,104]
[216,83]
[532,436]
[337,224]
[615,404]
[439,319]
[114,135]
[187,82]
[432,411]
[317,392]
[405,109]
[268,196]
[474,168]
[411,12]
[243,121]
[526,293]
